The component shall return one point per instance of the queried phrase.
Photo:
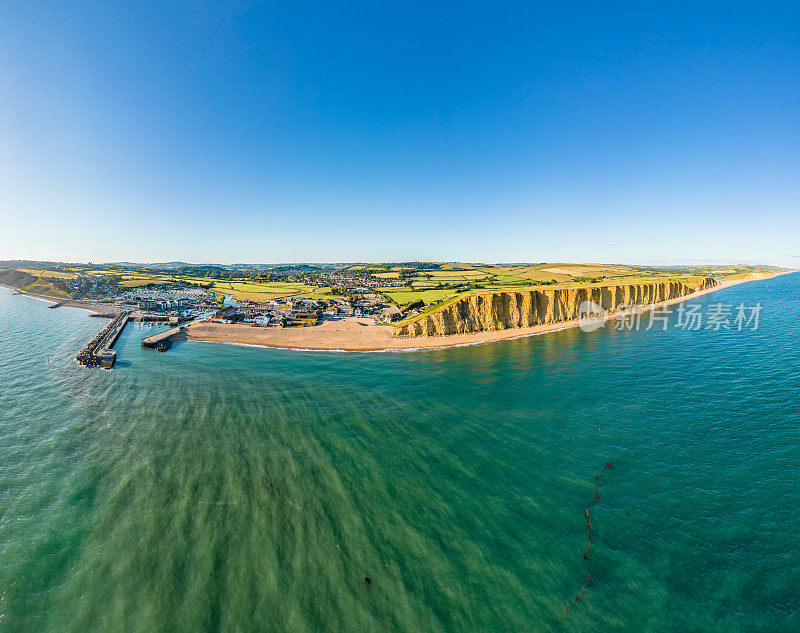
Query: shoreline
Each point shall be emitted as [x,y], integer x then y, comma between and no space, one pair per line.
[67,302]
[361,335]
[355,334]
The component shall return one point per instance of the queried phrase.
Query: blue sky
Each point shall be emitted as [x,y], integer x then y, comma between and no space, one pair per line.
[496,132]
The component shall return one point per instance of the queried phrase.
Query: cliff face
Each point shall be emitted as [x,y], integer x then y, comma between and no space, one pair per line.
[16,278]
[706,283]
[503,310]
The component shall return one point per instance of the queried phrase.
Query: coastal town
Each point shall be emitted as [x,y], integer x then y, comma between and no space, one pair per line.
[177,298]
[178,305]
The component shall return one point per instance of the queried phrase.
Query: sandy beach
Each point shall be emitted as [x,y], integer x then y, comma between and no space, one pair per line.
[362,335]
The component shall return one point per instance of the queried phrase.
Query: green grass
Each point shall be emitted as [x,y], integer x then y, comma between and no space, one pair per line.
[135,282]
[405,297]
[452,275]
[42,287]
[48,273]
[320,293]
[261,291]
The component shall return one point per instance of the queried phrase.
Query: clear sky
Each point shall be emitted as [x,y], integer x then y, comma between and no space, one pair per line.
[646,132]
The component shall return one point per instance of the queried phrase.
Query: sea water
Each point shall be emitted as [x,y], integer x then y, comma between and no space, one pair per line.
[228,488]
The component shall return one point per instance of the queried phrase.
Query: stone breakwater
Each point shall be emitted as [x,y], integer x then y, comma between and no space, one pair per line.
[493,311]
[98,352]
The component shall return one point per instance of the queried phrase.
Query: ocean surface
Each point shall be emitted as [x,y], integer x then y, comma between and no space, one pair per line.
[230,488]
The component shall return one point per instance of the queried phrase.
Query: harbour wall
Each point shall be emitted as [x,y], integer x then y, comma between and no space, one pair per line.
[163,340]
[99,351]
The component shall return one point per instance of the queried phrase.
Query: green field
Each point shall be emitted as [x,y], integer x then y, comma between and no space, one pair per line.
[403,298]
[42,287]
[135,282]
[261,291]
[48,273]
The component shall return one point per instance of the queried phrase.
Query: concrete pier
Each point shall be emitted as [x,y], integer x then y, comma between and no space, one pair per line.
[116,329]
[99,352]
[105,354]
[106,357]
[162,340]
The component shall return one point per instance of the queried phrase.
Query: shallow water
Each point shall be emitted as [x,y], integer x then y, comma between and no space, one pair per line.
[230,488]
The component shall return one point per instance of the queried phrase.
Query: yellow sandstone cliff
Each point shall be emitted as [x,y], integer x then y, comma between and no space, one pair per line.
[503,310]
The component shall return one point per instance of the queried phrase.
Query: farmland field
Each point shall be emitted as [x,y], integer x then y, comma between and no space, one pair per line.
[405,297]
[135,282]
[260,291]
[48,273]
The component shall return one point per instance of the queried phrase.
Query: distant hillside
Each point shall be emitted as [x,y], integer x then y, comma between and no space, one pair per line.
[28,263]
[156,266]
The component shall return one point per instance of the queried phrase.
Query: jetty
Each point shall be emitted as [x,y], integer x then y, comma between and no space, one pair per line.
[99,352]
[162,341]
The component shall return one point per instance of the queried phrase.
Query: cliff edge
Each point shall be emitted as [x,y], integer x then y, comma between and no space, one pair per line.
[503,310]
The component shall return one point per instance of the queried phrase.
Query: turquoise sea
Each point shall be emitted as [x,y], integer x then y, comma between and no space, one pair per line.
[230,488]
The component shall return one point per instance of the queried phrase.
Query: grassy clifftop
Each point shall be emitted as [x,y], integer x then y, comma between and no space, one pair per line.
[28,281]
[522,278]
